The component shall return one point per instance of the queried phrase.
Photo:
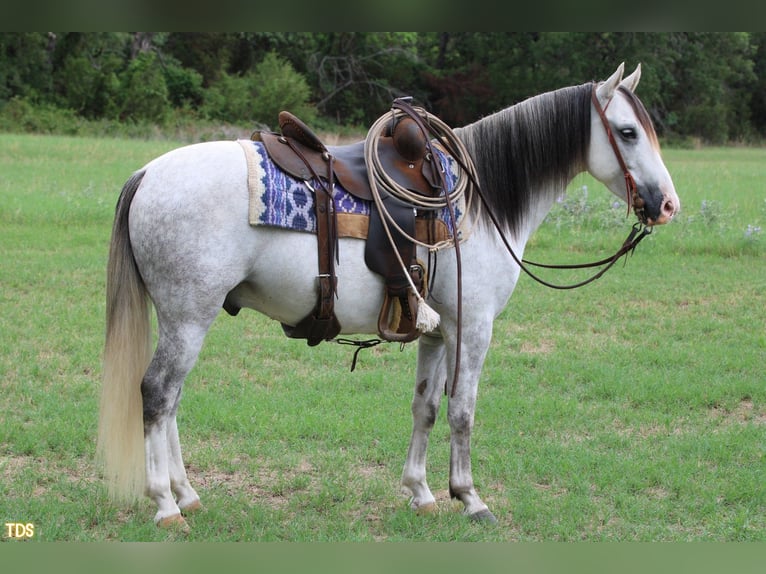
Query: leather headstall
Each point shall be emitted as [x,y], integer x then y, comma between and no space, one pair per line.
[631,188]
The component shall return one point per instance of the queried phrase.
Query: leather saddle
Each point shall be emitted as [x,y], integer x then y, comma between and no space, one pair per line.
[402,154]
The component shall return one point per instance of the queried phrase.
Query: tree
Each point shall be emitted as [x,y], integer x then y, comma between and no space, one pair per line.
[207,53]
[758,93]
[357,75]
[258,96]
[85,72]
[25,64]
[144,93]
[712,77]
[694,84]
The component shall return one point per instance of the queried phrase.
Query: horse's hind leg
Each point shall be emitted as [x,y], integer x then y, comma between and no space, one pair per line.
[176,353]
[429,386]
[166,475]
[186,497]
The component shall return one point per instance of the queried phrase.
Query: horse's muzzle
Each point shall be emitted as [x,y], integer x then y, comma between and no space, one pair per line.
[652,206]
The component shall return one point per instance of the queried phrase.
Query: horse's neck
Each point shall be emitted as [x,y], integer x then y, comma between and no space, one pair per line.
[521,167]
[540,204]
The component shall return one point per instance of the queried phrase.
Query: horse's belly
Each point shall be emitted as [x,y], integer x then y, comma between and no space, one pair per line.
[283,283]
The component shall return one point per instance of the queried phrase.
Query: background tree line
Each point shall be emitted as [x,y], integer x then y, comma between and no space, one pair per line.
[707,85]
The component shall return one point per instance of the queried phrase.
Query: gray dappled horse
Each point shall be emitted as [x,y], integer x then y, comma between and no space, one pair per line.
[182,241]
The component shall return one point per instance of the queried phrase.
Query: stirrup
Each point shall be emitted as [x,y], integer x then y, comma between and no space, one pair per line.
[395,324]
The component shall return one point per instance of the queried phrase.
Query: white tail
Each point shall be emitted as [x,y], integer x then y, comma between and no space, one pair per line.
[127,352]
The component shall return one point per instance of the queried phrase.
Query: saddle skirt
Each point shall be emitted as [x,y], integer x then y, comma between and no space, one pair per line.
[277,199]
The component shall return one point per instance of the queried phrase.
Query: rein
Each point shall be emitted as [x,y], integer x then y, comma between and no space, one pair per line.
[637,233]
[463,159]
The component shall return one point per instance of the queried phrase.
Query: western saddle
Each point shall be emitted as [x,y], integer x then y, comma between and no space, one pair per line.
[403,153]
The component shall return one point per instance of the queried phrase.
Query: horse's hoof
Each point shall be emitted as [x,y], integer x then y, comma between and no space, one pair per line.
[426,509]
[484,516]
[174,522]
[192,507]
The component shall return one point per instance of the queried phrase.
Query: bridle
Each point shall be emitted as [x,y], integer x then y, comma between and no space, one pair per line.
[631,188]
[637,233]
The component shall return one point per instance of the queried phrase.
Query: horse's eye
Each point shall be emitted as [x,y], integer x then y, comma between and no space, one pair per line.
[628,133]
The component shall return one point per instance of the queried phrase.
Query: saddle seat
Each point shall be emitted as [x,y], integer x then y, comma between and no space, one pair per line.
[402,153]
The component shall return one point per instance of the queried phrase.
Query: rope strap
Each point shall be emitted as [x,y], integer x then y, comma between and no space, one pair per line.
[431,127]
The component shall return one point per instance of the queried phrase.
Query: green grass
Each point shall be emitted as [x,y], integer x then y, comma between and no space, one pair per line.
[631,409]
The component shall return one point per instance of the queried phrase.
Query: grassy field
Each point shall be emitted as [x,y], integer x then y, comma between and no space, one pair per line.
[632,409]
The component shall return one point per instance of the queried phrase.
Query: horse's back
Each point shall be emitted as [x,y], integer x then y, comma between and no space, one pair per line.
[203,169]
[194,244]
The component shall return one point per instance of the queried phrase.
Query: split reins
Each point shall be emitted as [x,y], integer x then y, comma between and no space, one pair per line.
[454,147]
[637,233]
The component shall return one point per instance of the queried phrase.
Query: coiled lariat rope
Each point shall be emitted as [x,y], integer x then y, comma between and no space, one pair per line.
[381,184]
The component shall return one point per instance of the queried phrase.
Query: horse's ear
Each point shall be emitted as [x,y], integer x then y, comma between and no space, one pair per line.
[632,81]
[605,91]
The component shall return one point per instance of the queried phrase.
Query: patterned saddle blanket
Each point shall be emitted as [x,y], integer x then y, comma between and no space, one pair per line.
[279,200]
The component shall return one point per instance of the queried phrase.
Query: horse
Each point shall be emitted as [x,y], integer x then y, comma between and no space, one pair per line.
[181,244]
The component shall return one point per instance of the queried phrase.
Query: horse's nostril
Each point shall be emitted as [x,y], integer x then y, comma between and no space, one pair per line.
[669,208]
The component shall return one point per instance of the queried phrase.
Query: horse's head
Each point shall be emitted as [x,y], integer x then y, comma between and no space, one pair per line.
[624,153]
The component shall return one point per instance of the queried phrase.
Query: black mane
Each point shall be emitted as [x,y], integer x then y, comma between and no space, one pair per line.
[540,141]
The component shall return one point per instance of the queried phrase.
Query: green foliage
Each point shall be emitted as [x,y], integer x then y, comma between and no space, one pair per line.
[257,97]
[357,75]
[20,115]
[89,91]
[714,80]
[206,53]
[279,87]
[86,72]
[184,85]
[230,99]
[707,86]
[144,93]
[758,94]
[24,65]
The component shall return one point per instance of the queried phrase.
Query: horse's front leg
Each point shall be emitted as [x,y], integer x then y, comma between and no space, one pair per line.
[460,415]
[429,386]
